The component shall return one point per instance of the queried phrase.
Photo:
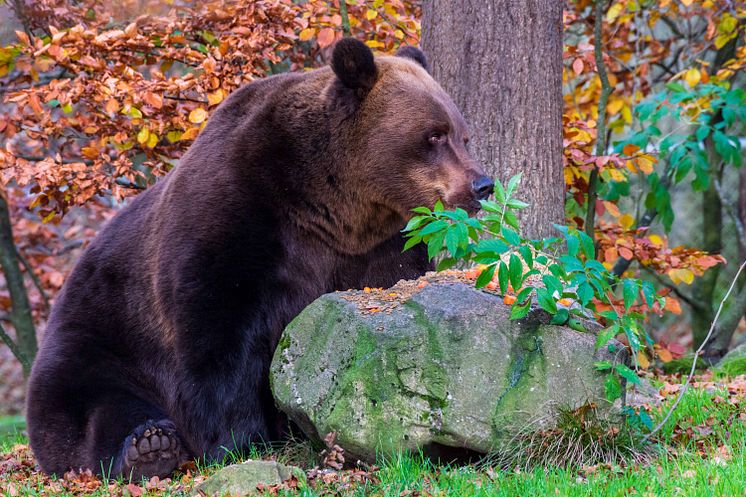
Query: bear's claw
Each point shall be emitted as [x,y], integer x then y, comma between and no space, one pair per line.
[153,449]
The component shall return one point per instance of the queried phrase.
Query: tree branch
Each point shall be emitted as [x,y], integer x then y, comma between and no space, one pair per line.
[17,352]
[606,89]
[34,279]
[345,17]
[686,298]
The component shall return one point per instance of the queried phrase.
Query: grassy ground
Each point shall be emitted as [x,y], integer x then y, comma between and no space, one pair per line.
[700,452]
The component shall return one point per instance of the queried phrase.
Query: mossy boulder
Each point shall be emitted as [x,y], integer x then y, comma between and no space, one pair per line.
[734,362]
[445,372]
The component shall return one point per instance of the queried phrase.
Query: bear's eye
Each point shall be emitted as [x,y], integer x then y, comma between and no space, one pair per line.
[466,140]
[437,138]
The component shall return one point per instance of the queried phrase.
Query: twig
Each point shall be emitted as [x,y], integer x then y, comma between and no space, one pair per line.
[15,350]
[34,279]
[696,356]
[686,298]
[186,99]
[606,89]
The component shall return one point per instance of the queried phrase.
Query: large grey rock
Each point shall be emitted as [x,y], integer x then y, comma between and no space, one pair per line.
[242,479]
[446,369]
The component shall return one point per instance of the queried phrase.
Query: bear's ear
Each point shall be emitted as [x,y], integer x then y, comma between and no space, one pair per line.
[415,54]
[352,62]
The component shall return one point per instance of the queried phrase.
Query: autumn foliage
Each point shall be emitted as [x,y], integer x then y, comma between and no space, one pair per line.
[100,98]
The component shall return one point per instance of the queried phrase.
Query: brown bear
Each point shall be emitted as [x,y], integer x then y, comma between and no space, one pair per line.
[158,347]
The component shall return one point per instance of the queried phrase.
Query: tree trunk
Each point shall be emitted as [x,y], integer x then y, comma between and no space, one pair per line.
[24,347]
[501,62]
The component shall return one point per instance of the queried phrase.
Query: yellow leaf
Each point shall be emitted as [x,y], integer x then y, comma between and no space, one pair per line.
[143,135]
[681,275]
[643,360]
[174,136]
[190,134]
[198,115]
[627,114]
[614,12]
[692,77]
[615,105]
[306,34]
[371,14]
[215,97]
[152,140]
[374,44]
[626,221]
[646,162]
[687,2]
[616,174]
[656,239]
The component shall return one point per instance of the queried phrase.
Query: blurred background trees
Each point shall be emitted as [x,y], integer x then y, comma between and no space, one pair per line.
[100,98]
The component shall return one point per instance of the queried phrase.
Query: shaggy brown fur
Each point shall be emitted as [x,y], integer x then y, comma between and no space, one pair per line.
[159,345]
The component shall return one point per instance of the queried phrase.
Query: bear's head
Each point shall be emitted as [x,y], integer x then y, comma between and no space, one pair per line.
[408,139]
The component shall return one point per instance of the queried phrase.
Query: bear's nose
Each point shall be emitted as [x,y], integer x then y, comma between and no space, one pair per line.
[482,187]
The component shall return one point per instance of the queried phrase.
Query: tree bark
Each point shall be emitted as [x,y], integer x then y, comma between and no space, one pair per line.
[501,62]
[25,345]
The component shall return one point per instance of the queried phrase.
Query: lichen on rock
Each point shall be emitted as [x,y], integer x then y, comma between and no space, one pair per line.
[443,368]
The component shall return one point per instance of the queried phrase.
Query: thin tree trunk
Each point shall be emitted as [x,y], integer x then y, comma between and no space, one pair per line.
[24,347]
[501,62]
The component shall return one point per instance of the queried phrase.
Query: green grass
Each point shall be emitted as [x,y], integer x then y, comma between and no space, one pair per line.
[701,452]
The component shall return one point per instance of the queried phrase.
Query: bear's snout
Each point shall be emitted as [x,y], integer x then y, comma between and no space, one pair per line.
[482,187]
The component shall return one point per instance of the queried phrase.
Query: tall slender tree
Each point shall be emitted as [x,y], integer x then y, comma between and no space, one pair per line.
[501,61]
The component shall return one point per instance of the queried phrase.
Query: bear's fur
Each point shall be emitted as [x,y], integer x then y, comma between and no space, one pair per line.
[159,345]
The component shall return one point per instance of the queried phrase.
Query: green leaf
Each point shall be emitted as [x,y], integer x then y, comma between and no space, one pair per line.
[452,240]
[503,277]
[500,192]
[602,365]
[446,263]
[585,293]
[612,388]
[433,227]
[415,222]
[573,244]
[527,255]
[605,335]
[561,317]
[648,291]
[627,374]
[422,210]
[520,311]
[513,184]
[630,290]
[435,244]
[589,249]
[553,284]
[516,204]
[546,301]
[510,236]
[412,242]
[515,272]
[491,245]
[486,276]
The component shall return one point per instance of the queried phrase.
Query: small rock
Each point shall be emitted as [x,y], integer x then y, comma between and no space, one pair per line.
[243,478]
